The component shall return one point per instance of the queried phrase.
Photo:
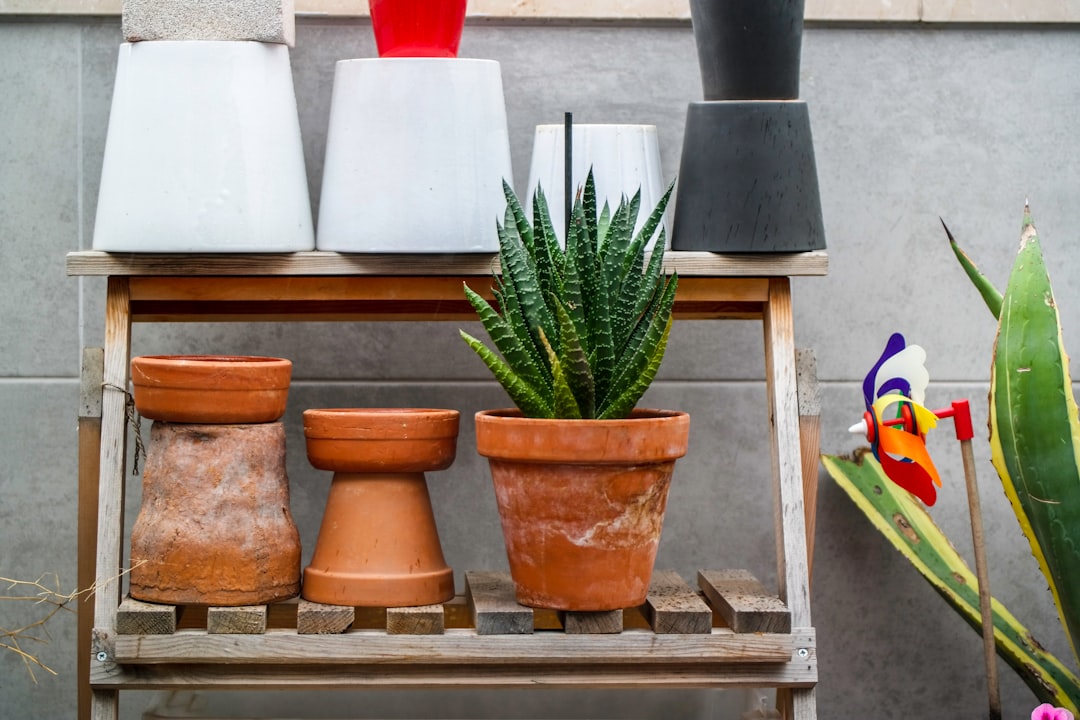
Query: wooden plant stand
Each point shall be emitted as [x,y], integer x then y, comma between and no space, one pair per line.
[321,648]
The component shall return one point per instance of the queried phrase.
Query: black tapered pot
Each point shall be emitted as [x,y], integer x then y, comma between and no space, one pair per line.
[749,49]
[748,180]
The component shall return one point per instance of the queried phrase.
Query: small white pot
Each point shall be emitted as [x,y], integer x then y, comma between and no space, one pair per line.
[203,152]
[623,158]
[416,153]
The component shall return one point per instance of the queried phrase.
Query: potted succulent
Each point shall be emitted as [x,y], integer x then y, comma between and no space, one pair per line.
[581,476]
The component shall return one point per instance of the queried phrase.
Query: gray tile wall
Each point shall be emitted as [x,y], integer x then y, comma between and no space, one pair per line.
[910,123]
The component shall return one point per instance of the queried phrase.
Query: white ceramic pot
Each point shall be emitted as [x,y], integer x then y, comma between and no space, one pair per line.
[416,153]
[203,152]
[623,158]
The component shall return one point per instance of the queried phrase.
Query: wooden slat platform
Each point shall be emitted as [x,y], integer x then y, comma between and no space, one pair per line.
[484,638]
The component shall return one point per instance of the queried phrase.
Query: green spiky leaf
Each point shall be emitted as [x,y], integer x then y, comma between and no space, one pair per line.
[905,523]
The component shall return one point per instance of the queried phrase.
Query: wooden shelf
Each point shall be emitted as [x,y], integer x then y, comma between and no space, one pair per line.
[329,286]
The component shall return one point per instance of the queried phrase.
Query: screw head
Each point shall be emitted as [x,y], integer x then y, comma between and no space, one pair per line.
[102,657]
[803,653]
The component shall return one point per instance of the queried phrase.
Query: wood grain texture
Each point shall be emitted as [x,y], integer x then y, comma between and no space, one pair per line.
[317,619]
[809,444]
[93,262]
[606,622]
[419,620]
[241,620]
[494,608]
[789,513]
[673,607]
[93,369]
[744,602]
[135,617]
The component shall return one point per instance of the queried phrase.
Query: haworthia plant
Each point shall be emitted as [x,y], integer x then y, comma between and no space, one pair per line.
[904,521]
[580,331]
[1034,429]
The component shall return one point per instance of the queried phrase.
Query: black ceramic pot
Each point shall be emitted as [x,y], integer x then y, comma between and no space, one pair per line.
[748,180]
[749,49]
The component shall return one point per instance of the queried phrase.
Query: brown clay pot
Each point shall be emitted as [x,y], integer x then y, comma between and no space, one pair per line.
[378,545]
[214,527]
[582,502]
[210,388]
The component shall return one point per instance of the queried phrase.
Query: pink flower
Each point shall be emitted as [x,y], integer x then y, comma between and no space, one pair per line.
[1046,711]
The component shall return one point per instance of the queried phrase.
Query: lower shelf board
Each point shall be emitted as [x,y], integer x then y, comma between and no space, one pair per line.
[484,639]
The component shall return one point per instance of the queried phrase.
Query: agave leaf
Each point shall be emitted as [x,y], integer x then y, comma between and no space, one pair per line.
[518,266]
[603,225]
[624,314]
[514,316]
[1034,430]
[544,231]
[655,218]
[990,294]
[588,201]
[515,211]
[636,385]
[906,524]
[519,355]
[521,393]
[574,363]
[565,403]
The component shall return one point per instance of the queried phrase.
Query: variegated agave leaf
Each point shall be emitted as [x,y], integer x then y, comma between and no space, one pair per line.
[904,521]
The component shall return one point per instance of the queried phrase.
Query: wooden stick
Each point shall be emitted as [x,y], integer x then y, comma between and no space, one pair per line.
[981,572]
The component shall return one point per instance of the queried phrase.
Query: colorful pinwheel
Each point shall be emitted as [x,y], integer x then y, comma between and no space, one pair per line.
[896,423]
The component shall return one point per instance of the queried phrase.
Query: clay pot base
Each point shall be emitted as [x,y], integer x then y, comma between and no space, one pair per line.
[378,545]
[214,527]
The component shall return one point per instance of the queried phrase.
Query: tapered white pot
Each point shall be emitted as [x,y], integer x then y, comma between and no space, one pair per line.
[623,159]
[416,154]
[203,152]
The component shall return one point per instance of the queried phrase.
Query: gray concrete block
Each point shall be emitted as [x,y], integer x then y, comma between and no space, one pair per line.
[270,21]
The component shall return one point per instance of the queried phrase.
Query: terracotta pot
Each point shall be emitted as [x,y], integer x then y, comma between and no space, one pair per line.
[417,28]
[214,527]
[378,545]
[582,502]
[211,389]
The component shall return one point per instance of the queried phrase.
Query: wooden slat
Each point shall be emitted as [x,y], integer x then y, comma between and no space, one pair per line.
[93,369]
[789,517]
[241,620]
[672,606]
[135,617]
[605,622]
[318,619]
[455,646]
[744,602]
[809,444]
[90,262]
[495,611]
[419,620]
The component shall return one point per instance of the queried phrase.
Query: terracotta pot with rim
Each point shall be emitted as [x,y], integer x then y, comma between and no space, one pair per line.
[378,544]
[582,502]
[211,389]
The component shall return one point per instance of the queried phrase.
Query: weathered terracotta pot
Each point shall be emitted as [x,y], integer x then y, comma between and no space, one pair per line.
[582,502]
[378,545]
[218,389]
[214,527]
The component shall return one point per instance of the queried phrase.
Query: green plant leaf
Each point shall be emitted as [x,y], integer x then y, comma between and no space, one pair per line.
[908,527]
[519,271]
[544,233]
[565,404]
[635,385]
[1034,430]
[521,393]
[574,363]
[519,356]
[588,201]
[990,294]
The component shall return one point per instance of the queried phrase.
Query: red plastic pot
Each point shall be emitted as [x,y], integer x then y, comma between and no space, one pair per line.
[417,28]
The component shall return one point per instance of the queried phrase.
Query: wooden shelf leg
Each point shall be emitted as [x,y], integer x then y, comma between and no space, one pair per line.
[93,361]
[110,517]
[791,557]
